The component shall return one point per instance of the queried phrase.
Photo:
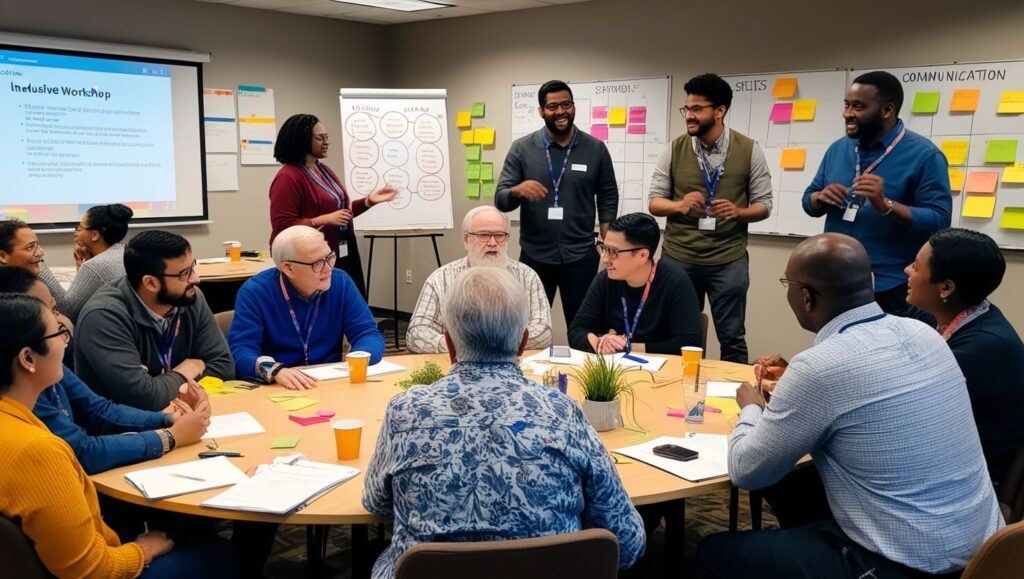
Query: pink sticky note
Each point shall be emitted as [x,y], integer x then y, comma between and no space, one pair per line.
[306,421]
[599,113]
[636,129]
[781,113]
[599,132]
[638,114]
[676,413]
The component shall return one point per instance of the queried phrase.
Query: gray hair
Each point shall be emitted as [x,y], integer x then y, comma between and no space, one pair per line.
[283,248]
[467,221]
[485,312]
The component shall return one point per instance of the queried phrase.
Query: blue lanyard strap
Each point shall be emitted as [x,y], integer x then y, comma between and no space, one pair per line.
[712,176]
[167,340]
[856,170]
[863,321]
[556,181]
[630,328]
[325,182]
[295,320]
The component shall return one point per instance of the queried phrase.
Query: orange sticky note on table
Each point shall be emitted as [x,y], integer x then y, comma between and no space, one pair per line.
[784,87]
[793,158]
[804,110]
[979,206]
[982,182]
[965,100]
[956,179]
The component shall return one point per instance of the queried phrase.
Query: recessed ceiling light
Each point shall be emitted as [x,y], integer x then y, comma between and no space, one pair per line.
[400,5]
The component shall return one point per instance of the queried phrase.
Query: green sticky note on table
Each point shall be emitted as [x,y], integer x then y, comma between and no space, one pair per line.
[472,171]
[1001,151]
[478,110]
[473,189]
[926,103]
[488,188]
[487,171]
[472,152]
[286,442]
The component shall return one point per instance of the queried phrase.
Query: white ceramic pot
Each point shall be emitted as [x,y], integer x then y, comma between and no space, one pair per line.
[603,416]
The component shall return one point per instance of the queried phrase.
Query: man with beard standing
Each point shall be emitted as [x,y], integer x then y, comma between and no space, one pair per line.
[485,237]
[559,177]
[883,185]
[142,340]
[710,183]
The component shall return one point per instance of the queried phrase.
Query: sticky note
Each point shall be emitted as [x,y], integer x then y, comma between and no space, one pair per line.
[793,158]
[307,420]
[473,189]
[617,116]
[483,136]
[1001,151]
[955,151]
[488,188]
[636,129]
[979,206]
[472,171]
[487,171]
[956,179]
[599,132]
[478,109]
[638,114]
[804,110]
[1011,102]
[467,137]
[1014,173]
[784,87]
[276,398]
[16,213]
[285,442]
[728,406]
[982,182]
[599,113]
[781,113]
[1013,218]
[965,100]
[463,120]
[926,103]
[472,152]
[299,403]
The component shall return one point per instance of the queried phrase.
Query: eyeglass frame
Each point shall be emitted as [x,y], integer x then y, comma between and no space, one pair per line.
[329,260]
[563,106]
[184,274]
[788,282]
[321,138]
[485,236]
[62,331]
[696,109]
[80,228]
[614,252]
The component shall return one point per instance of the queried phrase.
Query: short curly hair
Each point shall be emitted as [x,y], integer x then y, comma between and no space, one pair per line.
[294,139]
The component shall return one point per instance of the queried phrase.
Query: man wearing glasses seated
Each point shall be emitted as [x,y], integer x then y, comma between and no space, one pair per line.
[148,337]
[485,237]
[298,313]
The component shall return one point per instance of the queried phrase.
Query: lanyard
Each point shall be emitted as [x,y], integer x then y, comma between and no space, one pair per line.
[328,184]
[863,321]
[295,320]
[962,318]
[876,163]
[630,328]
[167,340]
[556,182]
[711,180]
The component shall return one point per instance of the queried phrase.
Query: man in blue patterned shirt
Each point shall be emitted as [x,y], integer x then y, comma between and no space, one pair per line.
[880,404]
[485,454]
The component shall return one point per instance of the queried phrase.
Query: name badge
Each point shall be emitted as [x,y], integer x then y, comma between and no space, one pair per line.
[851,213]
[555,213]
[706,223]
[342,249]
[579,167]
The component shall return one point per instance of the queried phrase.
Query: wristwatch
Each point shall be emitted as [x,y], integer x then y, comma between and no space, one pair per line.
[267,367]
[889,204]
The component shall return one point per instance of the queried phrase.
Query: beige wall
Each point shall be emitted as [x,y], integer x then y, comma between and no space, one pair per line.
[477,58]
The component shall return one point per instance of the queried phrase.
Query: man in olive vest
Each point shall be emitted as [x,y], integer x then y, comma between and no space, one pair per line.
[710,183]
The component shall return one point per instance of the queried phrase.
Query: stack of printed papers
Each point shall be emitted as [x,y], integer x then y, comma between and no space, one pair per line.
[188,477]
[283,487]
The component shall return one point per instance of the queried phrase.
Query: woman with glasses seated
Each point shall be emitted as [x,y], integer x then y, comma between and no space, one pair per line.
[299,313]
[951,279]
[307,192]
[45,490]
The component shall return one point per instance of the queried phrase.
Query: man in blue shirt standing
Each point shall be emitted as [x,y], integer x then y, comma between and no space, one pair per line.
[884,185]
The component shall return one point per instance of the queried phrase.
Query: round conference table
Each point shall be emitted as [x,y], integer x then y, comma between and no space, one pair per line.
[654,395]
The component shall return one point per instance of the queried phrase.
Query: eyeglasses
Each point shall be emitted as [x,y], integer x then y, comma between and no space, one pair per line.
[695,109]
[613,252]
[788,282]
[63,332]
[321,138]
[486,236]
[319,264]
[564,105]
[184,274]
[80,228]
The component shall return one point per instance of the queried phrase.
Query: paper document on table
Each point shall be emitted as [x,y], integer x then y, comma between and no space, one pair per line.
[337,371]
[236,424]
[575,358]
[713,461]
[652,363]
[723,389]
[282,488]
[188,477]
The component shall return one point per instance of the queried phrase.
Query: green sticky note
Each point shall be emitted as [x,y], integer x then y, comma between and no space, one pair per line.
[472,152]
[926,103]
[1013,218]
[487,171]
[473,189]
[472,171]
[286,442]
[488,188]
[478,110]
[1001,151]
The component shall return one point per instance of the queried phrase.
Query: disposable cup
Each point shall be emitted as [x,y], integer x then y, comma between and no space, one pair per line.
[358,362]
[347,435]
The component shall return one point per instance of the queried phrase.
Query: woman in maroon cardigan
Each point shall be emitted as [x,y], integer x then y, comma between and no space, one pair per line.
[307,192]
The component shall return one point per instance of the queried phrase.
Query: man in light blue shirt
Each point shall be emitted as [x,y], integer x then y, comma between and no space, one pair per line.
[880,404]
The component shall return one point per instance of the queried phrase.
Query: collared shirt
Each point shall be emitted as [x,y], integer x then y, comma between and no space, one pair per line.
[915,174]
[162,322]
[588,188]
[881,406]
[486,455]
[426,335]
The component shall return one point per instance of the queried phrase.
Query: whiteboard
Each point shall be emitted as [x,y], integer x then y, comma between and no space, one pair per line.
[634,145]
[398,137]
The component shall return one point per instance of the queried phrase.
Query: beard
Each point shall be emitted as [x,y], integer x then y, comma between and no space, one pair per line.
[702,128]
[868,130]
[180,301]
[552,124]
[479,257]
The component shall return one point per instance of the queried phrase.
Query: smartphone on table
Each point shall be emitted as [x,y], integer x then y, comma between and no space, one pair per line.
[675,452]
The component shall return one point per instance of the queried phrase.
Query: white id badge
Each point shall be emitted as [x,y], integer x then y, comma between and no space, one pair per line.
[850,214]
[342,250]
[555,213]
[579,167]
[706,224]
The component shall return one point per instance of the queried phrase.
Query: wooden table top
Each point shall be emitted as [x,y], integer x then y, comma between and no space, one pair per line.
[237,271]
[645,484]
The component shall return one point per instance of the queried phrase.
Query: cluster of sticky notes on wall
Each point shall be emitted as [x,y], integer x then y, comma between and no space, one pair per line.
[981,186]
[604,118]
[792,110]
[479,174]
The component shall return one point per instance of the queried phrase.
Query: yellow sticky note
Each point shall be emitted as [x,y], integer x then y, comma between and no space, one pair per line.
[1011,102]
[483,136]
[299,403]
[1013,218]
[979,206]
[784,88]
[467,137]
[277,398]
[728,406]
[965,100]
[956,179]
[1014,173]
[804,110]
[793,158]
[955,151]
[617,116]
[463,120]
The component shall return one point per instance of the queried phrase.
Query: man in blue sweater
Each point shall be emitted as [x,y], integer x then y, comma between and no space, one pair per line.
[297,314]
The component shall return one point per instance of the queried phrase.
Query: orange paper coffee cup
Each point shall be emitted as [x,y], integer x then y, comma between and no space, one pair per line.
[691,359]
[358,362]
[347,435]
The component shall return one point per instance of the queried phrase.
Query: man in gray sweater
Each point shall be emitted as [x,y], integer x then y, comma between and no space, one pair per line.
[143,337]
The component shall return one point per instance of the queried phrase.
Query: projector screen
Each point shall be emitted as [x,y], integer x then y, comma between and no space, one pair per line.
[79,127]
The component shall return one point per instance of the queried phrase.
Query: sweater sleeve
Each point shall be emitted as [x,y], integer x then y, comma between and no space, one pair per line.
[286,210]
[247,331]
[539,323]
[590,318]
[425,335]
[511,175]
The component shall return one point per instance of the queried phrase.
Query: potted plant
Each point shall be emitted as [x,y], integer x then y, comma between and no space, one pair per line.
[602,383]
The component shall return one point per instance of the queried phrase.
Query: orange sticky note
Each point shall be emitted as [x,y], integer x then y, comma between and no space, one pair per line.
[784,87]
[982,182]
[804,110]
[965,100]
[956,179]
[793,158]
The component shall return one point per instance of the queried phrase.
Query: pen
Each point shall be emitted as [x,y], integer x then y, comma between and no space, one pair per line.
[145,527]
[759,370]
[176,475]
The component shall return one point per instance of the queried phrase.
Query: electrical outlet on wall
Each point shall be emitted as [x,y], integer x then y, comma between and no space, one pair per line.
[408,276]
